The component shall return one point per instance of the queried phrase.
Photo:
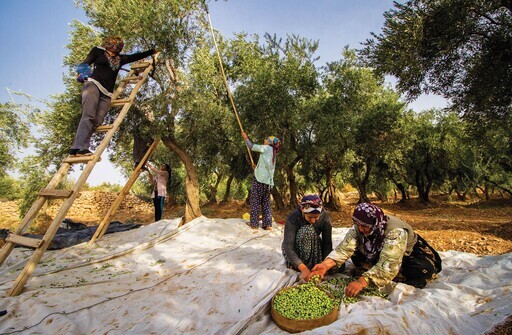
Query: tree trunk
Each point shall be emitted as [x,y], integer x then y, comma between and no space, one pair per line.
[400,187]
[420,185]
[294,198]
[381,196]
[403,193]
[498,186]
[362,183]
[192,208]
[228,188]
[212,199]
[334,199]
[277,198]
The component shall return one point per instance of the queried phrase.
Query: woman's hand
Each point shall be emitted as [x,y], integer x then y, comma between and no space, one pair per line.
[355,287]
[304,272]
[244,135]
[319,270]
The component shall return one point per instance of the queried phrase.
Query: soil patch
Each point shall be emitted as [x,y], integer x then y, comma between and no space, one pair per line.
[482,228]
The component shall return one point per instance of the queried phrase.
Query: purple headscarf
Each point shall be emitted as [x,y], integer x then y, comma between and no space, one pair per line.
[369,215]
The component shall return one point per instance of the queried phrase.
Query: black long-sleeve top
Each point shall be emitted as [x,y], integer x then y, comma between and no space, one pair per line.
[103,73]
[294,221]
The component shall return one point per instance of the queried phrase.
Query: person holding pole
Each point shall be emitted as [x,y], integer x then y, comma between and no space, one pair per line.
[263,180]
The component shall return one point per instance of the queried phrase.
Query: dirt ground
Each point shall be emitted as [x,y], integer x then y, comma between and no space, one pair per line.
[482,228]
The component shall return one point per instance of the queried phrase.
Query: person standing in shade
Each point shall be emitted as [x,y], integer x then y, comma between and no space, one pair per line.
[263,181]
[384,249]
[160,182]
[99,87]
[307,235]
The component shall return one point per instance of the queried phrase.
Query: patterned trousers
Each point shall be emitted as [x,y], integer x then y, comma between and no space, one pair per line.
[260,203]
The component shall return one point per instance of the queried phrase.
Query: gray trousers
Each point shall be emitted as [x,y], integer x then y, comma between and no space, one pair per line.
[95,106]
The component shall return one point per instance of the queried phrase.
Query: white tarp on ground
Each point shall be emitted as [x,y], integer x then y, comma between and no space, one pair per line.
[217,276]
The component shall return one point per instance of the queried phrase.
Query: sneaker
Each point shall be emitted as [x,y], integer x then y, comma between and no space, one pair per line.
[84,152]
[73,152]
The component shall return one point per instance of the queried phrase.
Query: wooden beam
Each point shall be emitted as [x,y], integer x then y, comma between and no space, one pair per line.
[120,102]
[130,79]
[140,65]
[80,159]
[55,194]
[25,241]
[104,128]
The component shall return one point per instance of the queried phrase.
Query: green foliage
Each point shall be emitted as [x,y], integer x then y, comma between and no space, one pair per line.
[460,49]
[35,177]
[356,123]
[14,133]
[10,188]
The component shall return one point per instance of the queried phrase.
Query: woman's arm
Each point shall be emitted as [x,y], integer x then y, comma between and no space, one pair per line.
[125,59]
[157,171]
[290,233]
[91,56]
[390,259]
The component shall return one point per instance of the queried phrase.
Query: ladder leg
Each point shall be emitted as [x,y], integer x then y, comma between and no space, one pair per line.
[102,228]
[37,255]
[33,211]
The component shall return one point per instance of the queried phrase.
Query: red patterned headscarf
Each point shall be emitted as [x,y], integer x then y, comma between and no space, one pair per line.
[369,215]
[113,44]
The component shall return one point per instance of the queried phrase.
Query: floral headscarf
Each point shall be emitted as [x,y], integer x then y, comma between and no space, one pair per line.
[369,215]
[275,143]
[311,204]
[113,44]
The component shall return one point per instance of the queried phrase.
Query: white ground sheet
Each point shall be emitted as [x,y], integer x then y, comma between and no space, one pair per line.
[217,276]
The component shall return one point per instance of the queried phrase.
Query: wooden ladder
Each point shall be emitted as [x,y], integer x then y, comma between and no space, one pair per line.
[103,226]
[138,74]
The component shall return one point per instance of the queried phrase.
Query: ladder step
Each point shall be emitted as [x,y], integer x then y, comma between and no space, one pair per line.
[120,102]
[104,128]
[56,194]
[140,66]
[129,79]
[79,159]
[25,241]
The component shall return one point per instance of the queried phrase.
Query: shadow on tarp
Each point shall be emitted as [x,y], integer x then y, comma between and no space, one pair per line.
[71,233]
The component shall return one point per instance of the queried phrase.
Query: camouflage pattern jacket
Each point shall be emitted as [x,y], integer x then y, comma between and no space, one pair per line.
[399,241]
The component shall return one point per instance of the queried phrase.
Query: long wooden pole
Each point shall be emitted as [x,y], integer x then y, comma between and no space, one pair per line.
[226,82]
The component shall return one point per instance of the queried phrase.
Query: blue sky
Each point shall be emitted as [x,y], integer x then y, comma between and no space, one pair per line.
[35,33]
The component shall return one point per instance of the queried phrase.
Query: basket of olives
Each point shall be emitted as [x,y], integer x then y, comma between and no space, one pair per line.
[303,307]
